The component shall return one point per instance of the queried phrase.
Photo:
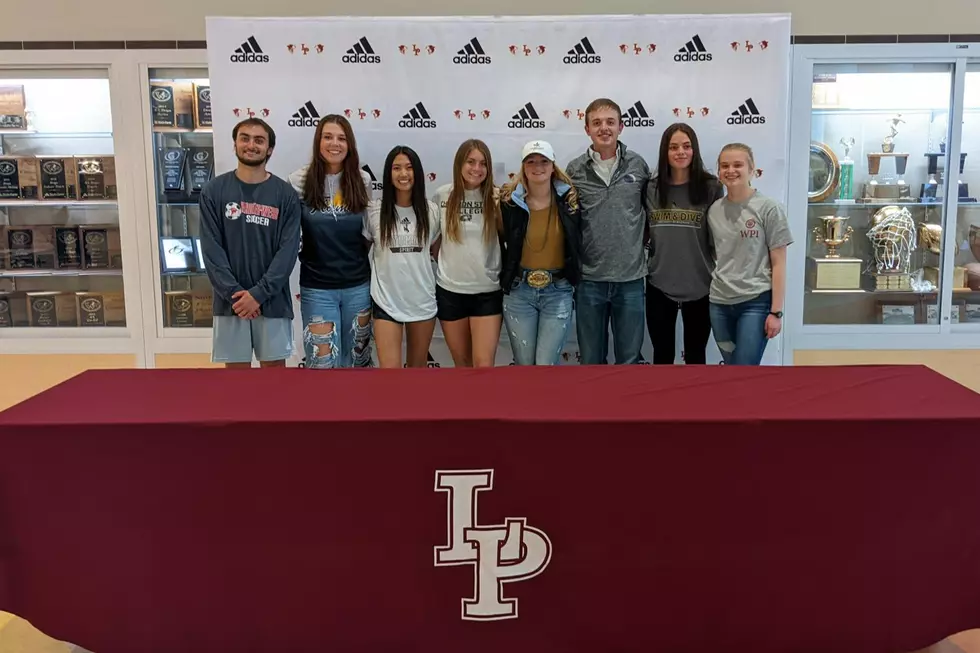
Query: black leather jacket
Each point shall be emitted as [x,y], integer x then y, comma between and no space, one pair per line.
[515,215]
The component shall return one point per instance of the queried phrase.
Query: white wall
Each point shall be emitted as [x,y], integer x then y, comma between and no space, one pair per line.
[32,20]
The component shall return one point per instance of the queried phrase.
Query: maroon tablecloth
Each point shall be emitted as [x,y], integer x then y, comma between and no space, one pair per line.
[631,509]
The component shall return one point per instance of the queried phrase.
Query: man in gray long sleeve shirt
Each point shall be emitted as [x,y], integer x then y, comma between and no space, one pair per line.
[610,181]
[250,228]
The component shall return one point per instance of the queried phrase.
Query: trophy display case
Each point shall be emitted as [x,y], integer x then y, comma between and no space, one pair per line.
[877,182]
[61,261]
[183,156]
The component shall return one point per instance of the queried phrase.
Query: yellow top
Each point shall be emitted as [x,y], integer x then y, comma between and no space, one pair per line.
[544,243]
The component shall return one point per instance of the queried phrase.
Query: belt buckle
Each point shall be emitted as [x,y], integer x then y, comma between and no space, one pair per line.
[538,278]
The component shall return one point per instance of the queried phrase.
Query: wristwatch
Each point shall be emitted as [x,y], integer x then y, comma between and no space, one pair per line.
[778,314]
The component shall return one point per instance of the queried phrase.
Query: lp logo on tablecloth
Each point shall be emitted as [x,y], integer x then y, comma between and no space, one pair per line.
[499,553]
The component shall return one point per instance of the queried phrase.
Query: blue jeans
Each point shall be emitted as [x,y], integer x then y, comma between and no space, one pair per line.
[336,326]
[537,321]
[599,302]
[740,329]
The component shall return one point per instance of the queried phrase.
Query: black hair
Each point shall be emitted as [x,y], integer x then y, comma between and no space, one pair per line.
[389,218]
[699,187]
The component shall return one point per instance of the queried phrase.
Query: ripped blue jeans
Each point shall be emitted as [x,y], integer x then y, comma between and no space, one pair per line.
[537,321]
[336,326]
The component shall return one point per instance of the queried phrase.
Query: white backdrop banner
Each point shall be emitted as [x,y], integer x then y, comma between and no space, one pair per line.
[432,82]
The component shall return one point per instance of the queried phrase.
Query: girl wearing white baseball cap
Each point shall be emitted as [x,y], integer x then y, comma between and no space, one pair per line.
[542,241]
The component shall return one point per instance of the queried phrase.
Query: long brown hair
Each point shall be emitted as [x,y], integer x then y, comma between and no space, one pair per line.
[352,188]
[491,212]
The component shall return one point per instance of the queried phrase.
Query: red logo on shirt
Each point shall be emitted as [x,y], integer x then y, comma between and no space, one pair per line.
[251,208]
[750,223]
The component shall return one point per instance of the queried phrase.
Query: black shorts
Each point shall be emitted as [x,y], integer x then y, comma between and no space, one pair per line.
[379,313]
[456,306]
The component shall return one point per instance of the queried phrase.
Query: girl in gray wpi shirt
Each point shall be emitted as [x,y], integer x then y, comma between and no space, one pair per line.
[680,261]
[749,282]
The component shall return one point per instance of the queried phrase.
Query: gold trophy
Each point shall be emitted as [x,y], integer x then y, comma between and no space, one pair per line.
[931,240]
[833,272]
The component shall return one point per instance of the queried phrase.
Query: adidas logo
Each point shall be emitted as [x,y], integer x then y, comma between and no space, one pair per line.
[472,52]
[307,116]
[249,52]
[693,50]
[526,118]
[361,52]
[375,184]
[583,52]
[747,114]
[417,118]
[637,116]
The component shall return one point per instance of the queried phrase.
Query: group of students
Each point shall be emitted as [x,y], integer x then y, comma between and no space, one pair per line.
[604,238]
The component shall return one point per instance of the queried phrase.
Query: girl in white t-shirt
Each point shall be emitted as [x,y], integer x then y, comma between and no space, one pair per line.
[468,292]
[402,227]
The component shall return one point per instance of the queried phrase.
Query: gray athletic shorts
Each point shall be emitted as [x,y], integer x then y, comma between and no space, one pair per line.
[233,339]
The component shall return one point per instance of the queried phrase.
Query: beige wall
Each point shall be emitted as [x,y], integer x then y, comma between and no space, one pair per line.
[25,20]
[26,375]
[963,366]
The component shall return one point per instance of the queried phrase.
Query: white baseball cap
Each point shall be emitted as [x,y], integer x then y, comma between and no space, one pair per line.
[538,147]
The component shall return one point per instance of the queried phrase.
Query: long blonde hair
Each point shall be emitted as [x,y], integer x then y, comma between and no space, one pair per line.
[508,189]
[491,212]
[740,147]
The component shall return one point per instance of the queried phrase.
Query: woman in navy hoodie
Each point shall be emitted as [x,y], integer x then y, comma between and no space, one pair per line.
[335,275]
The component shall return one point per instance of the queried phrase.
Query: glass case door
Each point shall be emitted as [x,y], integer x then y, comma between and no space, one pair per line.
[61,262]
[183,155]
[965,182]
[877,180]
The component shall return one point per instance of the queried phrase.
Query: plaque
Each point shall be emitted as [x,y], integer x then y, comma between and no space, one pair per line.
[95,245]
[202,107]
[172,159]
[897,314]
[834,273]
[9,179]
[5,319]
[184,104]
[91,178]
[162,105]
[96,177]
[91,309]
[20,242]
[203,310]
[68,246]
[58,178]
[178,254]
[201,167]
[13,108]
[28,174]
[180,309]
[50,309]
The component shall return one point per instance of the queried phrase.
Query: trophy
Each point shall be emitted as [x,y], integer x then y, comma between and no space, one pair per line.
[833,272]
[891,191]
[833,233]
[847,170]
[888,144]
[932,189]
[931,237]
[892,237]
[963,188]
